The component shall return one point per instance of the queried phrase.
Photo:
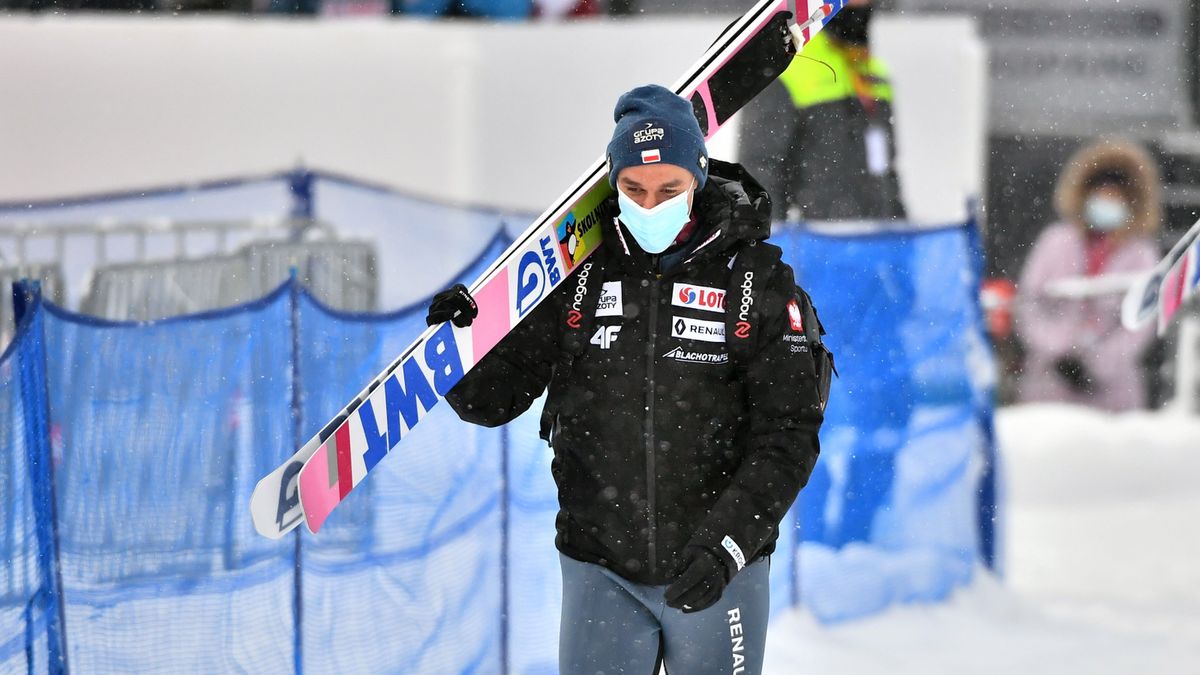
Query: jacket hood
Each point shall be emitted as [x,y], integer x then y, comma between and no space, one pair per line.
[1112,154]
[734,200]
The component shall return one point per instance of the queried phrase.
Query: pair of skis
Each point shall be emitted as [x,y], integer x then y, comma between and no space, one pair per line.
[746,57]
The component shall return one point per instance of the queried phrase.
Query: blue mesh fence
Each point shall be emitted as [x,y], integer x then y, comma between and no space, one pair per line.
[162,429]
[444,560]
[891,513]
[406,572]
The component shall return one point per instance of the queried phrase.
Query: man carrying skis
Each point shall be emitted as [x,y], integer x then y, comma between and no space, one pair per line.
[678,445]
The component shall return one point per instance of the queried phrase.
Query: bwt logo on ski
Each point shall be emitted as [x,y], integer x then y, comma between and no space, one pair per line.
[288,510]
[409,393]
[742,330]
[535,271]
[699,297]
[575,316]
[1150,298]
[649,134]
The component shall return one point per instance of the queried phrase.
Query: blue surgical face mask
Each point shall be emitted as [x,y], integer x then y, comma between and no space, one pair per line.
[1105,214]
[655,229]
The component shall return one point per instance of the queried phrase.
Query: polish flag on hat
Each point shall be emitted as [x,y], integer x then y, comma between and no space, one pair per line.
[651,156]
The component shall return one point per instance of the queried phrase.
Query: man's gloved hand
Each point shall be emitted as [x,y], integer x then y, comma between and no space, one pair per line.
[699,580]
[1075,374]
[453,304]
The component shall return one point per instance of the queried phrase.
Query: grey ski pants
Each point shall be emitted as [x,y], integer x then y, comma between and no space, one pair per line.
[613,626]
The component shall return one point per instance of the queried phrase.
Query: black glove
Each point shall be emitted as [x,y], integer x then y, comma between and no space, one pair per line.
[699,580]
[1075,374]
[453,304]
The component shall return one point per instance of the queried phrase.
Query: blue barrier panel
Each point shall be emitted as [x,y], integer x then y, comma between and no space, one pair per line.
[890,514]
[162,430]
[407,574]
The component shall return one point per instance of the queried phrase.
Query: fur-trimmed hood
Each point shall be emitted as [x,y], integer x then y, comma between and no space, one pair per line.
[1107,155]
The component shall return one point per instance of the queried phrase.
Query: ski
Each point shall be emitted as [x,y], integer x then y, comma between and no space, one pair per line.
[1078,288]
[746,57]
[1162,291]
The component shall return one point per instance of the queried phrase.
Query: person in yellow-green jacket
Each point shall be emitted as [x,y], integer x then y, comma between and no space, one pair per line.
[821,139]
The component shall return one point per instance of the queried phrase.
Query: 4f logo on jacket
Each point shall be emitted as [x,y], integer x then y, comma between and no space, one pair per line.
[605,336]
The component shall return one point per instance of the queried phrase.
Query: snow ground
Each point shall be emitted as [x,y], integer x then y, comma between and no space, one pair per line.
[1102,527]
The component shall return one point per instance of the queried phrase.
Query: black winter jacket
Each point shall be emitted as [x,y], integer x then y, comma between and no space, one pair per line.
[660,441]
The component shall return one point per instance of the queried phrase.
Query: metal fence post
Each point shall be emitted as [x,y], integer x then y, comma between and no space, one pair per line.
[297,432]
[987,492]
[27,299]
[300,182]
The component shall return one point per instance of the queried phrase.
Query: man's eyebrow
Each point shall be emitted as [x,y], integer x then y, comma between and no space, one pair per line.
[629,182]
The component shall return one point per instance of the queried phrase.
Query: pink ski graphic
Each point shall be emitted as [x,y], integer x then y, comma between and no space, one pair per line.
[493,315]
[315,484]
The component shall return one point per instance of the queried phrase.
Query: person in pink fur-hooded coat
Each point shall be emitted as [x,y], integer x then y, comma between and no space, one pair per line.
[1076,349]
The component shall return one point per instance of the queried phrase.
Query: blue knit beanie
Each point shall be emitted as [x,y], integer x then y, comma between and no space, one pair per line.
[655,125]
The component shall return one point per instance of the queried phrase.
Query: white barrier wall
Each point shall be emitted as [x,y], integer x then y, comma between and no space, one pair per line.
[502,115]
[939,72]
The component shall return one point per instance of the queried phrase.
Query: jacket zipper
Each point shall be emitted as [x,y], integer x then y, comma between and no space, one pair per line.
[650,393]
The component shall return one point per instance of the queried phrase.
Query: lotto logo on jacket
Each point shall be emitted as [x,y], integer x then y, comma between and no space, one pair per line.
[699,297]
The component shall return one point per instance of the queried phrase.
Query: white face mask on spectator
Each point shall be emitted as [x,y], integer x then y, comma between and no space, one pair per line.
[1105,214]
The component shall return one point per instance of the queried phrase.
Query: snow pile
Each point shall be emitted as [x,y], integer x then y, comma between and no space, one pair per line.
[1102,564]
